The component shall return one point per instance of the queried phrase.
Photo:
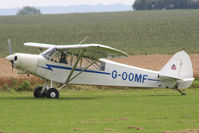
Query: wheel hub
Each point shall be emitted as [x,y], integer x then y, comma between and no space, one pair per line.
[53,94]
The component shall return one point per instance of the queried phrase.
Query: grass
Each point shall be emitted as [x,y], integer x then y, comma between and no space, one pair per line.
[97,111]
[135,32]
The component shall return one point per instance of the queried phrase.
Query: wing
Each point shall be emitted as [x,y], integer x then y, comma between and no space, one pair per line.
[94,51]
[39,45]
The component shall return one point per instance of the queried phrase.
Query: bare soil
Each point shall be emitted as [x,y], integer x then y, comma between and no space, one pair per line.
[153,62]
[7,75]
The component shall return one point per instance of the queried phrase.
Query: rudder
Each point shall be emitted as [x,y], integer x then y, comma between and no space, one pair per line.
[179,66]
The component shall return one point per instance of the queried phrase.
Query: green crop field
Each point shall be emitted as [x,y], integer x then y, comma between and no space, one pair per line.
[100,111]
[135,32]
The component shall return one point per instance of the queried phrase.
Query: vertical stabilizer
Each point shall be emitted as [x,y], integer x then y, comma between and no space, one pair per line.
[179,67]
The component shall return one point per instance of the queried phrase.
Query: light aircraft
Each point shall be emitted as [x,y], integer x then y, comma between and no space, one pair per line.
[85,64]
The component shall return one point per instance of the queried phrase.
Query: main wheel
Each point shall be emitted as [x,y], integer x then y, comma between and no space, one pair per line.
[38,94]
[183,93]
[52,93]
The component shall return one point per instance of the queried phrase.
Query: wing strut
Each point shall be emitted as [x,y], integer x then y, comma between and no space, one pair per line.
[75,65]
[81,71]
[69,79]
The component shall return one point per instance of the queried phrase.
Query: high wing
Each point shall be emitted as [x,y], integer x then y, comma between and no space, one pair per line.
[39,45]
[94,51]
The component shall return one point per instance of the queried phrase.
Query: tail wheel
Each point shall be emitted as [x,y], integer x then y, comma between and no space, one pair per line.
[38,94]
[52,93]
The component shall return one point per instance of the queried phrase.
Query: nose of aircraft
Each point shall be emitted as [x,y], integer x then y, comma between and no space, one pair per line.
[10,57]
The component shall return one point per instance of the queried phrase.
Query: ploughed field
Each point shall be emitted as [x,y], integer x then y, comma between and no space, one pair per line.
[153,62]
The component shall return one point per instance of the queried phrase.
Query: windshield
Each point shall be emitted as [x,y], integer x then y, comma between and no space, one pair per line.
[49,53]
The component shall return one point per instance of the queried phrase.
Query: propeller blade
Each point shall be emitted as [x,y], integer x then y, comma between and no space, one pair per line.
[10,46]
[12,62]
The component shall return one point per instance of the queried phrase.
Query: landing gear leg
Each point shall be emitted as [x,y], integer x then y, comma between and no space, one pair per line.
[182,93]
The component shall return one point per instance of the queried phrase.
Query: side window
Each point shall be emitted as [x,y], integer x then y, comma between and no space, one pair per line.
[56,57]
[63,58]
[98,65]
[60,57]
[102,67]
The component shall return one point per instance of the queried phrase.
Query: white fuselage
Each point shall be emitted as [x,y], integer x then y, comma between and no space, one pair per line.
[114,74]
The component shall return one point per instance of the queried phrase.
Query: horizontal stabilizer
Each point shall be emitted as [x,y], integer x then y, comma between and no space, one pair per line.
[166,77]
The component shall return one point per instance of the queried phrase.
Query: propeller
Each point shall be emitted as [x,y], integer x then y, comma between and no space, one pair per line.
[10,46]
[12,62]
[10,53]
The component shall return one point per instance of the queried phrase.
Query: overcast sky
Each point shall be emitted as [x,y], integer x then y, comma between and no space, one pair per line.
[38,3]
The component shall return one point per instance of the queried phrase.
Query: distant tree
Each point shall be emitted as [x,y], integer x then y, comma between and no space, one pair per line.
[27,10]
[165,4]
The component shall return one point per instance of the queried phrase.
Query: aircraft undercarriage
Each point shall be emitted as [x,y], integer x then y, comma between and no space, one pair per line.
[46,91]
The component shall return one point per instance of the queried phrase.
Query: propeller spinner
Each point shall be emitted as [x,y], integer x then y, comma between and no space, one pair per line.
[11,58]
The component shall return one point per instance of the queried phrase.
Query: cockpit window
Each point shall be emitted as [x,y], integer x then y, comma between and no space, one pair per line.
[86,61]
[63,58]
[68,57]
[56,55]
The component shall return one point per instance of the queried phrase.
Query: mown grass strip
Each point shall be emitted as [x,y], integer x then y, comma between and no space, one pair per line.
[112,110]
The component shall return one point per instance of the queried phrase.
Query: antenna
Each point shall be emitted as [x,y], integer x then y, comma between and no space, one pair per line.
[84,40]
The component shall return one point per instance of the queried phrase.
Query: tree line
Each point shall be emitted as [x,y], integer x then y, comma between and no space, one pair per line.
[165,4]
[27,10]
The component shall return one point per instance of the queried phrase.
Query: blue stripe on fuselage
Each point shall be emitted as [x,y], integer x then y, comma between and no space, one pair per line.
[50,67]
[154,80]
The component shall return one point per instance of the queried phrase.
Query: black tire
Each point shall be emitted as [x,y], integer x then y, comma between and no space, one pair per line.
[38,94]
[183,93]
[52,93]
